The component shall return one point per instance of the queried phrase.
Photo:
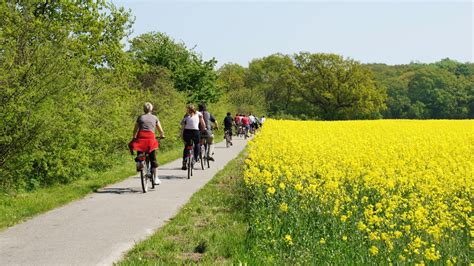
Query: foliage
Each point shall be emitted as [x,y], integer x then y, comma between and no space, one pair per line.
[338,88]
[189,72]
[61,76]
[232,79]
[70,93]
[316,198]
[306,85]
[440,90]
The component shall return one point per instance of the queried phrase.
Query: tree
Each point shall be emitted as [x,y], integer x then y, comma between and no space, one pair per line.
[276,77]
[339,88]
[57,59]
[443,94]
[232,79]
[190,73]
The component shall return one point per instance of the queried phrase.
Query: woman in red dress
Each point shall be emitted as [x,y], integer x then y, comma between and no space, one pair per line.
[144,140]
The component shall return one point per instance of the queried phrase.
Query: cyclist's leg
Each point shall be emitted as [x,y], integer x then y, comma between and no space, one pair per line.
[140,159]
[154,165]
[196,138]
[210,142]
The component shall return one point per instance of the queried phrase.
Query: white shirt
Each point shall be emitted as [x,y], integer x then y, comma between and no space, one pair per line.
[262,119]
[252,119]
[191,122]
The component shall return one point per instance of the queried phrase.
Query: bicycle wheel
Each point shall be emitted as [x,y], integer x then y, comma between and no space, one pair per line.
[151,173]
[144,179]
[190,166]
[201,158]
[207,156]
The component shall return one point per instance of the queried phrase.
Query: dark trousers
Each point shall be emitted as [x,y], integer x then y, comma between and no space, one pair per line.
[228,129]
[194,136]
[152,156]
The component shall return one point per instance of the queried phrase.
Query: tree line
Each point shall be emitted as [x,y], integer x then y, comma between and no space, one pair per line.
[70,92]
[328,86]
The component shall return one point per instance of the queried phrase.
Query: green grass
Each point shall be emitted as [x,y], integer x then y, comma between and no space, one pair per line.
[210,229]
[18,207]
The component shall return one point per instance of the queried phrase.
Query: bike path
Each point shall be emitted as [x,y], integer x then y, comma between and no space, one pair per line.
[99,228]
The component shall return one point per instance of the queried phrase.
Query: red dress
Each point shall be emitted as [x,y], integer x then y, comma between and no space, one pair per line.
[145,142]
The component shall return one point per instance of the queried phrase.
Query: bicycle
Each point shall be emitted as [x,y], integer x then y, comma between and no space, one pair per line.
[246,132]
[228,137]
[204,147]
[189,159]
[146,174]
[240,131]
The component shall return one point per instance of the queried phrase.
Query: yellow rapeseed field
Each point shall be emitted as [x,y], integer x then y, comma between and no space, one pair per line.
[386,191]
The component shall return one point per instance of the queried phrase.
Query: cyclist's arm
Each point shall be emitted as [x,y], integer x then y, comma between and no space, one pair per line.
[213,120]
[160,129]
[202,122]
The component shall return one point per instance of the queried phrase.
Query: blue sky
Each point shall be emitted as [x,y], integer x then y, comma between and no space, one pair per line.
[391,32]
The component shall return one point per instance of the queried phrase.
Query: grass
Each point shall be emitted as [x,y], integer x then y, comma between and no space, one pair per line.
[210,229]
[15,208]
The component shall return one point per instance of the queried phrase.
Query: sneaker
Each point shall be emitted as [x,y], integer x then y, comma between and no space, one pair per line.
[184,167]
[157,181]
[211,159]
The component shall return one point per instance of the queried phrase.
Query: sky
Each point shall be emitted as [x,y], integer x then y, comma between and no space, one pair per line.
[390,32]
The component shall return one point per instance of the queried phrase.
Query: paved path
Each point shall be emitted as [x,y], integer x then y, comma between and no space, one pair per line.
[98,229]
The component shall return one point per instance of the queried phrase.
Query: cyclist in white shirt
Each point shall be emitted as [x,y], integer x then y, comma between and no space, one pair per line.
[190,131]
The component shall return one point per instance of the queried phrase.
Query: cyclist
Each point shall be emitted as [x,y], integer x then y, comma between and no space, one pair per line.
[144,140]
[228,122]
[207,132]
[190,125]
[237,120]
[246,124]
[253,123]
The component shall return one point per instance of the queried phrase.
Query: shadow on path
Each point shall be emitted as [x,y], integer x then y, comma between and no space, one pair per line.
[113,190]
[171,177]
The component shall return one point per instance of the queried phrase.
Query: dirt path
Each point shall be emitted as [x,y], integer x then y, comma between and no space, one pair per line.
[98,229]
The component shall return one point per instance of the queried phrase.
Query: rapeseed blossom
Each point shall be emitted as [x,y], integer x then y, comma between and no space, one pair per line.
[401,188]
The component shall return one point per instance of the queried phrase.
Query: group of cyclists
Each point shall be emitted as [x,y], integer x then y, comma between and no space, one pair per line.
[195,125]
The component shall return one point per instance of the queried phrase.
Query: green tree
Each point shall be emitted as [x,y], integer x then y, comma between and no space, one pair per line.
[232,79]
[443,94]
[59,61]
[276,77]
[190,73]
[339,88]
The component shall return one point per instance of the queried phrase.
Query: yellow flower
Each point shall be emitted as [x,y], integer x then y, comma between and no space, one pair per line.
[361,226]
[344,238]
[271,190]
[298,187]
[374,250]
[288,240]
[322,241]
[343,218]
[397,234]
[432,254]
[282,185]
[284,207]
